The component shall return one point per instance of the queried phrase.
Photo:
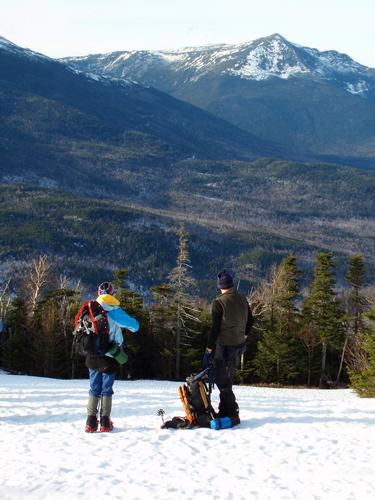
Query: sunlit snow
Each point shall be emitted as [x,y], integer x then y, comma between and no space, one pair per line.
[360,87]
[291,444]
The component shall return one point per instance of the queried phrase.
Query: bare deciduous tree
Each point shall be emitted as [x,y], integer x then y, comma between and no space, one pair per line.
[4,298]
[182,284]
[36,279]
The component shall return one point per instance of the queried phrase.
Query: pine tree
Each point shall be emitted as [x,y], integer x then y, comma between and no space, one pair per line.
[140,345]
[162,320]
[363,382]
[5,299]
[183,286]
[310,340]
[192,350]
[355,304]
[52,323]
[356,277]
[322,311]
[18,352]
[277,359]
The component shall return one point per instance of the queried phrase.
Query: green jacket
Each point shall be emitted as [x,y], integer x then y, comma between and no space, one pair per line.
[231,319]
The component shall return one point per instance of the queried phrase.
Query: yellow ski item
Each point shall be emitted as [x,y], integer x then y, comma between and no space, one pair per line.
[110,300]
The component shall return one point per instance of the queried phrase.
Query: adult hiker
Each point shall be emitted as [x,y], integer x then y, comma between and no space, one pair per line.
[231,324]
[102,365]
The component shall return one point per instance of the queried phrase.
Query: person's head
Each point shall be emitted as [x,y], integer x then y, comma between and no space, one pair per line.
[224,281]
[106,288]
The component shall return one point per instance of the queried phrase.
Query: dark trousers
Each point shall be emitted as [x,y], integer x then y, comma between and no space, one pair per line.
[227,359]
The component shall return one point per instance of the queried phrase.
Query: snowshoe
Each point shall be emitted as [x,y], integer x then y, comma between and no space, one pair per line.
[176,423]
[106,424]
[91,424]
[184,396]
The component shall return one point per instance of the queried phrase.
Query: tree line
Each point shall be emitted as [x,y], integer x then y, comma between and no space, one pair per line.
[318,337]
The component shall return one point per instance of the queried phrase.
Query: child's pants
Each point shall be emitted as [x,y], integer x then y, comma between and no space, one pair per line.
[101,383]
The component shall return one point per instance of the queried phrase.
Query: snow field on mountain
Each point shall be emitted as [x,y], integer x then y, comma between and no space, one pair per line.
[291,444]
[261,59]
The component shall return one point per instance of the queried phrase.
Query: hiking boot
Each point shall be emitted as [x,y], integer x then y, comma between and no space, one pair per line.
[106,424]
[92,410]
[235,420]
[91,424]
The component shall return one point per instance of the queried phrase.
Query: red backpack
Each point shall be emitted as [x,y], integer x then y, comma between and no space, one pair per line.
[91,330]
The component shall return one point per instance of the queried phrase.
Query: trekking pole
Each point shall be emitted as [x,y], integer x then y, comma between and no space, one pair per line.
[161,414]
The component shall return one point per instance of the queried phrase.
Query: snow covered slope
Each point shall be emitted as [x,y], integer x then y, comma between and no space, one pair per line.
[7,46]
[310,101]
[261,59]
[292,444]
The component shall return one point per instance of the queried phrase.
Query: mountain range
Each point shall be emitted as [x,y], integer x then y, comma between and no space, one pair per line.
[304,99]
[57,125]
[98,167]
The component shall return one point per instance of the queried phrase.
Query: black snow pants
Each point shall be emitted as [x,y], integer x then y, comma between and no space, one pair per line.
[227,359]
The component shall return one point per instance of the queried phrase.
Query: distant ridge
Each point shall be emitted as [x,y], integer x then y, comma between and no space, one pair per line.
[305,99]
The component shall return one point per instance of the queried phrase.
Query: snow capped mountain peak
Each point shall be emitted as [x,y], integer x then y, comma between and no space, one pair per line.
[275,57]
[268,57]
[262,59]
[7,46]
[4,43]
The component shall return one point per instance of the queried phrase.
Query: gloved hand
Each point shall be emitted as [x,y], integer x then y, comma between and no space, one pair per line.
[206,360]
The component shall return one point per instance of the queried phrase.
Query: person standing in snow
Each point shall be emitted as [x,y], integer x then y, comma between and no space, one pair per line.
[102,367]
[231,324]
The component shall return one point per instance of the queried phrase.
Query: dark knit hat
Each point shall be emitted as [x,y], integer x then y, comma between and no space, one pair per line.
[224,280]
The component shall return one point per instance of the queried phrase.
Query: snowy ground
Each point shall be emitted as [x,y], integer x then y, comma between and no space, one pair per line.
[300,444]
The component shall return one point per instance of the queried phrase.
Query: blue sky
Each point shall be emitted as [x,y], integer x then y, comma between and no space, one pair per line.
[76,27]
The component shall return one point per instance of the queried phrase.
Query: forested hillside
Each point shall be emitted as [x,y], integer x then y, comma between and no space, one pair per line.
[239,215]
[62,129]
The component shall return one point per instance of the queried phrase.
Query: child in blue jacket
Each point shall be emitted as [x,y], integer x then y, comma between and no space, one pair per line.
[102,367]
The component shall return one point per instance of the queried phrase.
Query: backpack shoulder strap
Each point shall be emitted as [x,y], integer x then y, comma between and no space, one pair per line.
[79,314]
[98,315]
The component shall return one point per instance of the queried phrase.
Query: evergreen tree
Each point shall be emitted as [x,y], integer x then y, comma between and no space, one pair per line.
[355,305]
[363,382]
[279,350]
[5,300]
[183,285]
[53,321]
[18,352]
[162,320]
[258,299]
[140,345]
[356,277]
[310,340]
[192,350]
[322,312]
